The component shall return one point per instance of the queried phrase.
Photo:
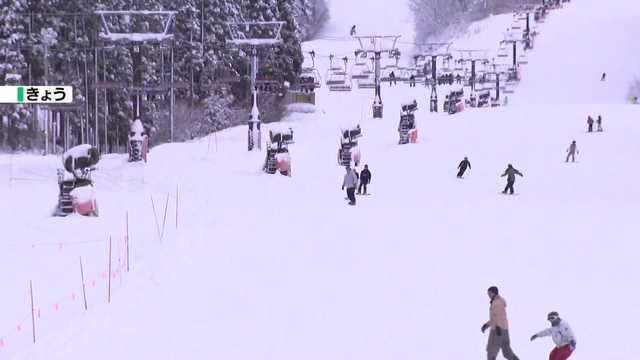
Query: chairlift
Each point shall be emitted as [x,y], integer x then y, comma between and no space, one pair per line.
[516,25]
[367,83]
[510,88]
[339,81]
[522,59]
[503,51]
[360,71]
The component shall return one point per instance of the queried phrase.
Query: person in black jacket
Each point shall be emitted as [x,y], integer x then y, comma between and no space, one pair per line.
[365,178]
[463,167]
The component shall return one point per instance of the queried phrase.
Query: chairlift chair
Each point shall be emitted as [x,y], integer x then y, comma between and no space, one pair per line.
[522,16]
[510,87]
[312,73]
[360,71]
[515,24]
[522,59]
[503,52]
[367,83]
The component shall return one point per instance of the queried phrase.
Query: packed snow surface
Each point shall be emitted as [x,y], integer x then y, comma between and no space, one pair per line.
[246,265]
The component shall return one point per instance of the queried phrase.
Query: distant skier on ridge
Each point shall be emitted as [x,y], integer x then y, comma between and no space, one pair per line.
[562,336]
[511,179]
[463,167]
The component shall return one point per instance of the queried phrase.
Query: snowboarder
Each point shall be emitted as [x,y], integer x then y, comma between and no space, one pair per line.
[511,179]
[350,181]
[572,152]
[562,336]
[599,122]
[603,76]
[590,123]
[365,179]
[463,167]
[499,333]
[353,31]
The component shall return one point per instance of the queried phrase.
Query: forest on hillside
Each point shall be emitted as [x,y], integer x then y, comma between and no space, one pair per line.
[58,42]
[437,20]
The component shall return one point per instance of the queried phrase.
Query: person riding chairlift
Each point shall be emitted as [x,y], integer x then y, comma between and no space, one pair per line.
[353,31]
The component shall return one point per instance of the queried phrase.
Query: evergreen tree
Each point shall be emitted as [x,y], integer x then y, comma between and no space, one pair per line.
[13,68]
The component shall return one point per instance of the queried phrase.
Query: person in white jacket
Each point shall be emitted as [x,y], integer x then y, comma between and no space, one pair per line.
[562,336]
[350,182]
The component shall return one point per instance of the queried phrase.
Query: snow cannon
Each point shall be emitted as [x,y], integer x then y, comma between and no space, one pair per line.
[254,136]
[278,157]
[407,128]
[454,103]
[74,181]
[349,151]
[138,142]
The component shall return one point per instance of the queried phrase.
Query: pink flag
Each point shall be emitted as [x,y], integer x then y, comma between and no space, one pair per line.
[1,343]
[56,307]
[33,246]
[73,297]
[94,283]
[38,312]
[19,327]
[60,246]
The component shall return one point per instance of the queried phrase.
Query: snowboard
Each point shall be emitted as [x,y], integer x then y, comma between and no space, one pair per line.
[501,193]
[367,194]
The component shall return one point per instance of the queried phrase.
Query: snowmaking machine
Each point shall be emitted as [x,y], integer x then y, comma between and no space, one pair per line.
[479,100]
[454,102]
[138,142]
[75,184]
[278,157]
[349,150]
[407,128]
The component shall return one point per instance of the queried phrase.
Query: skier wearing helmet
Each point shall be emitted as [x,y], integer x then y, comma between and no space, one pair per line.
[562,336]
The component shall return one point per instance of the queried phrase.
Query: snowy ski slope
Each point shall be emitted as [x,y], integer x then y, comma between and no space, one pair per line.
[270,267]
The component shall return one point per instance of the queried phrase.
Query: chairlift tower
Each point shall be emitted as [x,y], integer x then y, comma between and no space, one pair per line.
[376,45]
[433,51]
[241,36]
[138,40]
[473,56]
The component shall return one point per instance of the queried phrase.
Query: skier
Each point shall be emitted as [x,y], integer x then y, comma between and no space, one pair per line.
[562,336]
[511,179]
[506,101]
[590,123]
[603,75]
[365,179]
[572,152]
[353,31]
[463,167]
[635,100]
[599,122]
[499,333]
[350,181]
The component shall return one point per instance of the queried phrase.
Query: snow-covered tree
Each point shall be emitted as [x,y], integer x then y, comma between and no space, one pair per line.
[15,119]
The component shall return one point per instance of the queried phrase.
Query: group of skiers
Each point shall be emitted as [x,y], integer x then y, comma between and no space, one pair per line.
[590,123]
[511,173]
[353,180]
[560,331]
